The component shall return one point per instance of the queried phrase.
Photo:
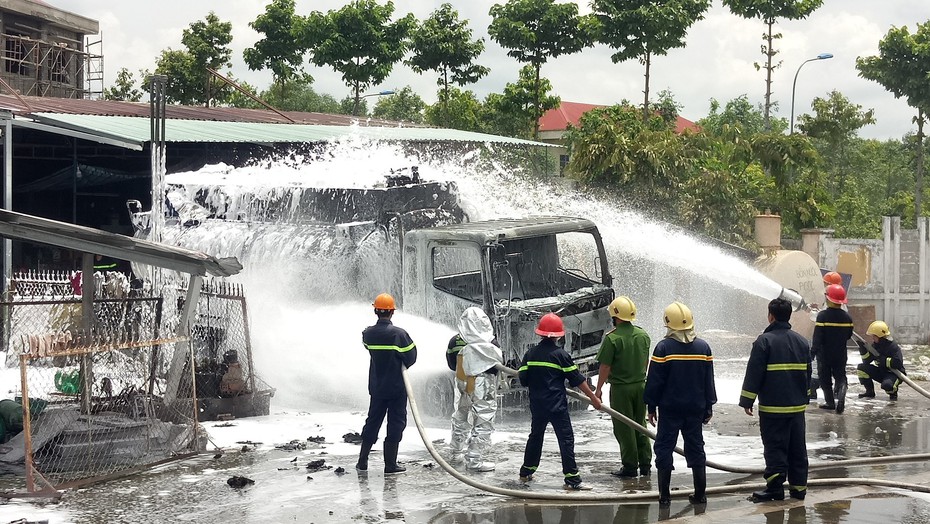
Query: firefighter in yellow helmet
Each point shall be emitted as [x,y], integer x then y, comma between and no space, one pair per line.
[623,356]
[878,368]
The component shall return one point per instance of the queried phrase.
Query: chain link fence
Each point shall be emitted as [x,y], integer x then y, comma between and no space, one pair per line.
[101,402]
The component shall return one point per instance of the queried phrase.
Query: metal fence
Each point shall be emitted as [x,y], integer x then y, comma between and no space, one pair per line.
[100,401]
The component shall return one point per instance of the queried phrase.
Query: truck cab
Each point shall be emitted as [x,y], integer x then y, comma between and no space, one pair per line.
[517,270]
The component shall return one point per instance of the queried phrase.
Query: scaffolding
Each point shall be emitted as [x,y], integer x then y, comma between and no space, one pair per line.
[51,69]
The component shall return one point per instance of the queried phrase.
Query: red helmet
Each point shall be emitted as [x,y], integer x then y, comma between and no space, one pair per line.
[833,278]
[836,294]
[550,325]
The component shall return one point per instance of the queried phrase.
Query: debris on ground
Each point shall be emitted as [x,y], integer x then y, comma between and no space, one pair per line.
[318,440]
[239,482]
[352,438]
[224,425]
[340,470]
[429,465]
[249,442]
[294,445]
[245,448]
[218,455]
[317,465]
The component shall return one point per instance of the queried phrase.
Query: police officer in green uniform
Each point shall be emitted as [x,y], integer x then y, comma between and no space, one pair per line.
[623,357]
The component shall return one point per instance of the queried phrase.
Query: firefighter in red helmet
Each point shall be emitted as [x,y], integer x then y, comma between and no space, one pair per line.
[544,370]
[831,331]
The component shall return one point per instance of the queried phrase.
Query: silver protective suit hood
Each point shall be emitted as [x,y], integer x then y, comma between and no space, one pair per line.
[479,353]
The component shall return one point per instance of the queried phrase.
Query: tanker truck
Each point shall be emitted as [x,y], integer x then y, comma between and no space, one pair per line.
[413,239]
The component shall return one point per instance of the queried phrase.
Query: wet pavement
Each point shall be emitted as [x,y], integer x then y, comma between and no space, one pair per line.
[286,491]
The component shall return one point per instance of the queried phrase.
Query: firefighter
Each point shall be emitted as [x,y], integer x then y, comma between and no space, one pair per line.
[390,348]
[623,356]
[544,370]
[472,354]
[879,368]
[778,373]
[829,278]
[831,331]
[681,385]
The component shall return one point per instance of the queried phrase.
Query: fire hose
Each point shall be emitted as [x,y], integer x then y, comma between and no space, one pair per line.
[639,496]
[904,378]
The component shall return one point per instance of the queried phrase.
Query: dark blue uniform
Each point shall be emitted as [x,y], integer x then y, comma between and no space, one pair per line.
[831,331]
[681,384]
[390,348]
[879,368]
[544,370]
[778,373]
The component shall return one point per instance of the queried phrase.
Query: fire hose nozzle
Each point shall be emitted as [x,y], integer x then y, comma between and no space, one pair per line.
[797,303]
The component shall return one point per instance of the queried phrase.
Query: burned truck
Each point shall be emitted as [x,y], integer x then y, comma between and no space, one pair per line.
[413,239]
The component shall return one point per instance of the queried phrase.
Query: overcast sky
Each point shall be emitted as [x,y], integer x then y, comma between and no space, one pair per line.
[717,62]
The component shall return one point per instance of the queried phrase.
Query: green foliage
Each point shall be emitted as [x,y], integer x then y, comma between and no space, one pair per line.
[297,94]
[644,28]
[516,111]
[124,88]
[348,106]
[402,106]
[443,44]
[769,11]
[359,41]
[739,114]
[456,109]
[534,31]
[206,45]
[239,99]
[855,218]
[283,46]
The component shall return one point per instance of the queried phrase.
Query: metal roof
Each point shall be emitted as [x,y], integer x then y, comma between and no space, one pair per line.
[88,240]
[507,228]
[137,130]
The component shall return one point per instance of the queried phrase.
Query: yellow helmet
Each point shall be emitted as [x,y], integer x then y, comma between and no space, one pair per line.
[623,308]
[879,329]
[678,317]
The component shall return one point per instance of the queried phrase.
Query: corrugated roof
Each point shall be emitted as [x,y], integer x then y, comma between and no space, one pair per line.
[136,129]
[559,118]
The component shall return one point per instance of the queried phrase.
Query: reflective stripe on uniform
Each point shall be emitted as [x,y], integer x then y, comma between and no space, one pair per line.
[786,367]
[834,324]
[797,488]
[773,477]
[747,394]
[399,349]
[782,409]
[698,358]
[553,365]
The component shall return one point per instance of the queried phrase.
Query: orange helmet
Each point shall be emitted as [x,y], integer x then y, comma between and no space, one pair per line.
[550,325]
[836,294]
[384,302]
[833,278]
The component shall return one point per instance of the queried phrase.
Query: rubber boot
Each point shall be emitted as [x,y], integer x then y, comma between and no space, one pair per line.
[869,388]
[665,492]
[390,459]
[828,402]
[362,464]
[812,392]
[774,490]
[841,397]
[699,474]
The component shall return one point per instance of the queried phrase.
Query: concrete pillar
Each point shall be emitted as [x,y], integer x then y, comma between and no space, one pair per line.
[812,244]
[768,232]
[891,268]
[923,235]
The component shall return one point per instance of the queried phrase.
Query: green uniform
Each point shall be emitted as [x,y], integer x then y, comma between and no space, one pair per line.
[626,351]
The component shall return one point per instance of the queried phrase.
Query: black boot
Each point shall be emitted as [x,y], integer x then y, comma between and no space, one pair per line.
[869,388]
[390,459]
[828,402]
[362,464]
[774,490]
[699,474]
[665,492]
[840,397]
[812,391]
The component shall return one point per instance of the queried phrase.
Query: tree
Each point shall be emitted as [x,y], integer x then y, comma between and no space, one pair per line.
[834,123]
[456,109]
[297,94]
[402,106]
[769,11]
[124,88]
[443,44]
[901,67]
[642,29]
[188,79]
[535,31]
[738,114]
[359,41]
[516,111]
[283,47]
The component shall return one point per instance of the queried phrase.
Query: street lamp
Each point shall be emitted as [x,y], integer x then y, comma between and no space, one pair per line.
[358,102]
[821,56]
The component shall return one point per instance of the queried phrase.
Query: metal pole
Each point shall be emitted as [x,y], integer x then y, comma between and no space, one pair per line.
[27,422]
[88,289]
[7,118]
[793,86]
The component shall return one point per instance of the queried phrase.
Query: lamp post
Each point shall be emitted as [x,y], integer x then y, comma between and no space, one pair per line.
[379,93]
[821,56]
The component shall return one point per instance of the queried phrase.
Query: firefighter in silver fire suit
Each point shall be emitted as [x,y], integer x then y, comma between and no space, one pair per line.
[476,380]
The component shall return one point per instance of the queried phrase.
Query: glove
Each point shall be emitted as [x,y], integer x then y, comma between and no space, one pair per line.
[862,347]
